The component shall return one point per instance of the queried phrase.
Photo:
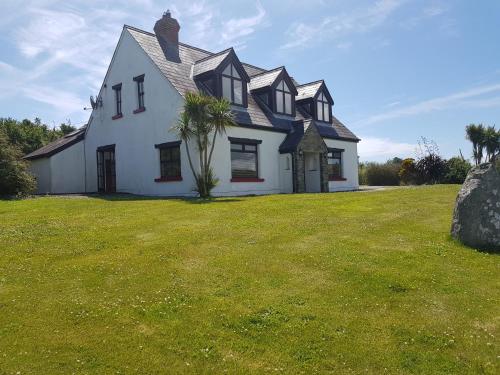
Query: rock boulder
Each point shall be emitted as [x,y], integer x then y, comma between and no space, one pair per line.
[476,219]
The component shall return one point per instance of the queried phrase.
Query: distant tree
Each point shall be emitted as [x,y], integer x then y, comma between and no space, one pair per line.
[30,135]
[430,166]
[15,178]
[395,160]
[408,173]
[491,142]
[66,128]
[456,170]
[475,134]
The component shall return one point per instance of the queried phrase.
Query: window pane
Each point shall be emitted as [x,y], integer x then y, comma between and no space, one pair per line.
[170,162]
[236,146]
[244,164]
[288,103]
[235,73]
[326,111]
[285,87]
[227,70]
[250,148]
[319,110]
[279,101]
[238,91]
[226,88]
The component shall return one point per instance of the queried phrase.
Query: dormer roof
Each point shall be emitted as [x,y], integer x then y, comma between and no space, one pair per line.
[270,78]
[214,62]
[311,90]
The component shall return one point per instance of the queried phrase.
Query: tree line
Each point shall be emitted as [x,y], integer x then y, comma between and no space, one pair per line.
[429,167]
[18,138]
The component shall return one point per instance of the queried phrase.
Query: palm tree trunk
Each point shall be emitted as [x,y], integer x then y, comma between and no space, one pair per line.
[189,159]
[212,149]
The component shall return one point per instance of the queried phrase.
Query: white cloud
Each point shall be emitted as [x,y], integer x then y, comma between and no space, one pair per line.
[438,104]
[68,45]
[379,149]
[359,21]
[238,27]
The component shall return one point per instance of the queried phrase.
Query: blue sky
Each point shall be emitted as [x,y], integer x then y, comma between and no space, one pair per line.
[397,69]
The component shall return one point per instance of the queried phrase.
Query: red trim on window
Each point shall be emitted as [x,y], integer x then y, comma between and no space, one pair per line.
[247,179]
[337,179]
[168,179]
[116,117]
[139,110]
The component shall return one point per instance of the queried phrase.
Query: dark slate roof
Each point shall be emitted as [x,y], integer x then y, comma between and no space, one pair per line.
[293,138]
[180,74]
[308,90]
[58,145]
[264,79]
[209,63]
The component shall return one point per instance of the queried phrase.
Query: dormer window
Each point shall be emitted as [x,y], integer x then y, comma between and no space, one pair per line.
[283,99]
[232,85]
[322,108]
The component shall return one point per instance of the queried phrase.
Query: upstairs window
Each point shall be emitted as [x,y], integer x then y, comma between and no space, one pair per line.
[334,164]
[140,93]
[322,108]
[283,99]
[118,100]
[232,85]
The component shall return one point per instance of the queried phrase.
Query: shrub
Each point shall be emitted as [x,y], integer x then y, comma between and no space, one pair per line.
[382,174]
[431,169]
[14,176]
[408,173]
[457,169]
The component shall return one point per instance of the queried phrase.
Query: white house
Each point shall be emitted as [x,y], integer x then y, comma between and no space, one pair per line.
[287,139]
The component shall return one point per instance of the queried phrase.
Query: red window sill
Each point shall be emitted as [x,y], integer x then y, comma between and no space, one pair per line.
[168,179]
[247,179]
[337,179]
[116,117]
[139,110]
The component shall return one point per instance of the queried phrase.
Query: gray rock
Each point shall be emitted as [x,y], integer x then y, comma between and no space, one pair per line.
[476,219]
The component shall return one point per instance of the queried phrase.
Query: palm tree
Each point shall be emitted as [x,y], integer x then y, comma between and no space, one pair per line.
[491,142]
[475,134]
[203,115]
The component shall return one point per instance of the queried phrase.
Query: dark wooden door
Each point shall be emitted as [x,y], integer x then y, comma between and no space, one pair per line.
[106,170]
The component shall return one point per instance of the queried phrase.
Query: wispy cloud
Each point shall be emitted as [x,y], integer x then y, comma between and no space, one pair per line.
[75,41]
[472,98]
[372,148]
[238,27]
[338,26]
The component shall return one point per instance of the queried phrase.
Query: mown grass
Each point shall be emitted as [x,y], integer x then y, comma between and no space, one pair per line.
[339,283]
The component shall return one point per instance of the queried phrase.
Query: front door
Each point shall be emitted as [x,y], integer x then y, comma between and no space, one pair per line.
[106,171]
[312,171]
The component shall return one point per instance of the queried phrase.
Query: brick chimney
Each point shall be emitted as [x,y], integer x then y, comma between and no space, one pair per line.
[167,33]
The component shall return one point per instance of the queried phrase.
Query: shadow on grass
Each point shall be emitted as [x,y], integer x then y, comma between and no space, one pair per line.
[487,250]
[131,197]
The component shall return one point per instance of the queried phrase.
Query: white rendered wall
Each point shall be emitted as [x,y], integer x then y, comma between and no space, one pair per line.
[349,165]
[40,168]
[68,170]
[269,163]
[134,135]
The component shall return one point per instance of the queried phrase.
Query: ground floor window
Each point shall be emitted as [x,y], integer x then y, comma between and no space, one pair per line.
[334,164]
[170,161]
[244,158]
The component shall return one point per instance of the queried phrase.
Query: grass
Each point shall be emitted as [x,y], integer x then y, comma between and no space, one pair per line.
[339,283]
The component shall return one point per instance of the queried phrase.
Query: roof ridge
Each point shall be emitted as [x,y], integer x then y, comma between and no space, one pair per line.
[214,55]
[125,26]
[268,71]
[196,48]
[253,66]
[311,83]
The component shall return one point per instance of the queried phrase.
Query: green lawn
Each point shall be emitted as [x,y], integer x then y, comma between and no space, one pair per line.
[339,283]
